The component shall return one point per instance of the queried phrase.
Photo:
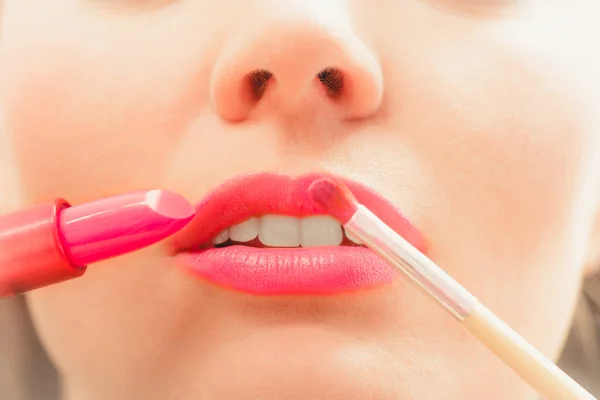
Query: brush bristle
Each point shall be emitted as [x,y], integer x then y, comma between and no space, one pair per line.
[335,198]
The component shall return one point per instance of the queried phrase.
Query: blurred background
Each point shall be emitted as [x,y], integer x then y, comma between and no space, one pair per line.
[581,356]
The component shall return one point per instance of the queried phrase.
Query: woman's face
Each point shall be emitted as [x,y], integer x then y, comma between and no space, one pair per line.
[476,119]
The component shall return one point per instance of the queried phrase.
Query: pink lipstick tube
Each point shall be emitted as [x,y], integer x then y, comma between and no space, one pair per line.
[54,242]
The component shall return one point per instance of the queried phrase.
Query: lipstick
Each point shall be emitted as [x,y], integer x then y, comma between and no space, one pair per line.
[54,242]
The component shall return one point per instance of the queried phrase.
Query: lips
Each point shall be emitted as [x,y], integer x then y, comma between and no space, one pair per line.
[277,270]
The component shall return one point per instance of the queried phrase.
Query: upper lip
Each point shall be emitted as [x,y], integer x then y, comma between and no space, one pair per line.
[258,194]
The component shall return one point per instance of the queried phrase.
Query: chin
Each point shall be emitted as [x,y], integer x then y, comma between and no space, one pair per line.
[300,363]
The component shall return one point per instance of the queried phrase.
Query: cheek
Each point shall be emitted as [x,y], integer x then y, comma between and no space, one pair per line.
[512,147]
[505,135]
[66,143]
[100,117]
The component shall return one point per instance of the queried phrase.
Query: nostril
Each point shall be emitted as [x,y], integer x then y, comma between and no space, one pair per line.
[257,81]
[333,80]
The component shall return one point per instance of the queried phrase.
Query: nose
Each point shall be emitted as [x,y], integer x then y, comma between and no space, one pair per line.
[293,62]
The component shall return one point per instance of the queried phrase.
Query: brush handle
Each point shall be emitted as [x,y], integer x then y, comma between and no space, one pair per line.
[531,365]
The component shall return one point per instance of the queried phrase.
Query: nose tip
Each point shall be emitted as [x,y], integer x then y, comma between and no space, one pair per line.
[294,64]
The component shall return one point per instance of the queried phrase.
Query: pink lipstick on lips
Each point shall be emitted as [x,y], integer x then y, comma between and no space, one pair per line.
[251,267]
[54,242]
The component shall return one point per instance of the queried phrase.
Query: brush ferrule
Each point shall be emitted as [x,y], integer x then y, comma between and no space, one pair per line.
[413,264]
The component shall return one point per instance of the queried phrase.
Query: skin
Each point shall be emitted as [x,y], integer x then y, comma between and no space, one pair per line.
[477,119]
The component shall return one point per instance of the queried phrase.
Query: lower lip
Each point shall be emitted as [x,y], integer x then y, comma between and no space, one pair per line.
[290,271]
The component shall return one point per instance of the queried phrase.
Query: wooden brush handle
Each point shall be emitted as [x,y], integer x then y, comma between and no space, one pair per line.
[537,370]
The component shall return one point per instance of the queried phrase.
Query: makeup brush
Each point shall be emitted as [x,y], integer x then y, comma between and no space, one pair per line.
[537,370]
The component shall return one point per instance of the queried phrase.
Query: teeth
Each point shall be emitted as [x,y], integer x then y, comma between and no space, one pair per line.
[352,238]
[286,231]
[244,232]
[320,231]
[279,231]
[222,237]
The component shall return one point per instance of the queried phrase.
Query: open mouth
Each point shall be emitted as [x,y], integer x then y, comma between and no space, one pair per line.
[286,231]
[263,234]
